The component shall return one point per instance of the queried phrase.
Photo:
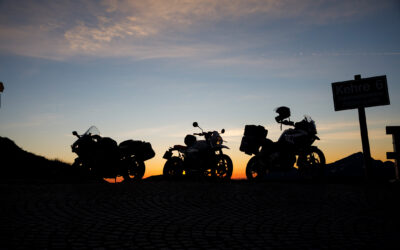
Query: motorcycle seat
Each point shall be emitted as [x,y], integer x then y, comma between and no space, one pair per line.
[180,147]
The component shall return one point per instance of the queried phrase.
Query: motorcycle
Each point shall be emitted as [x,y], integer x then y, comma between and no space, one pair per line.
[293,146]
[103,158]
[199,157]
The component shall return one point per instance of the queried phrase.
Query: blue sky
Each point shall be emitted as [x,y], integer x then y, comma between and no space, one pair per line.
[148,69]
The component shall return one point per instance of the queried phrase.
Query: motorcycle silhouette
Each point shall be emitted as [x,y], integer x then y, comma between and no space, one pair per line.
[199,157]
[293,146]
[103,158]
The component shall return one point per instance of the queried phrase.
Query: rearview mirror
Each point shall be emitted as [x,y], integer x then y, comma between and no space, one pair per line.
[222,131]
[195,124]
[74,133]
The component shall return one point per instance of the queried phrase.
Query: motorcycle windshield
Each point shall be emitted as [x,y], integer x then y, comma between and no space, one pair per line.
[216,139]
[93,130]
[311,124]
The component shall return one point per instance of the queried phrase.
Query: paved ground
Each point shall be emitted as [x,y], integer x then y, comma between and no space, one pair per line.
[160,214]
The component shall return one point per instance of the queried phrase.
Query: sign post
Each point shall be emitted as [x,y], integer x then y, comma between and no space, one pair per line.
[1,91]
[359,94]
[395,155]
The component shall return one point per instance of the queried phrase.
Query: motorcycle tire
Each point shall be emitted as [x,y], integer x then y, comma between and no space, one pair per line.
[173,168]
[81,171]
[254,171]
[312,163]
[224,167]
[134,169]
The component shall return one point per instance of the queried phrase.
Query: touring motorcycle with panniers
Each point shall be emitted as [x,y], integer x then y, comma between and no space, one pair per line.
[294,146]
[104,158]
[199,158]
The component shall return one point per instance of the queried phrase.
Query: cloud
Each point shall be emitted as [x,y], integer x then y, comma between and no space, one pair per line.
[162,131]
[373,134]
[38,120]
[91,39]
[149,28]
[351,131]
[329,127]
[145,131]
[352,54]
[191,11]
[233,135]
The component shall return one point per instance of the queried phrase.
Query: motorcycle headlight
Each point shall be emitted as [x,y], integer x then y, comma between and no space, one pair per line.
[218,140]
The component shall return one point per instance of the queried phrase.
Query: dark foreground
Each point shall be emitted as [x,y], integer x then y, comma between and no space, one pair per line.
[238,214]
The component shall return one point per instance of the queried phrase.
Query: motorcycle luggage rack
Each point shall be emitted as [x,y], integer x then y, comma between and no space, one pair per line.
[167,155]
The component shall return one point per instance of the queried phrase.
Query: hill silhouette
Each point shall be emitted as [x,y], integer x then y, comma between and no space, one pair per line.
[348,169]
[17,163]
[352,167]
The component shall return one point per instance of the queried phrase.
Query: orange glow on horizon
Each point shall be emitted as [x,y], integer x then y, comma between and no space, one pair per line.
[155,166]
[334,150]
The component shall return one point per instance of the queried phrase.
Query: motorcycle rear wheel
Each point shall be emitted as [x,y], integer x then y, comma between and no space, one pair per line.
[134,169]
[254,170]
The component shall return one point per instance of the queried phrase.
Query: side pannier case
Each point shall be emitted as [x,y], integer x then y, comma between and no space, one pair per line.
[253,138]
[142,150]
[145,152]
[130,147]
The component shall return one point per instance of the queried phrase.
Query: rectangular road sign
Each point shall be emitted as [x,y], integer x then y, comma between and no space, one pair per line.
[366,92]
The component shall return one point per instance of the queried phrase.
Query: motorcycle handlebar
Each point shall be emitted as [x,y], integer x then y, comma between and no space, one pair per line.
[288,123]
[202,134]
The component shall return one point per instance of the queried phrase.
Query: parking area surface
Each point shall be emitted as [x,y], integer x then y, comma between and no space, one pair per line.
[198,215]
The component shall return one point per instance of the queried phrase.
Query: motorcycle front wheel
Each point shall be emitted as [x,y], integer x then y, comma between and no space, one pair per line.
[173,168]
[312,162]
[81,170]
[224,167]
[134,169]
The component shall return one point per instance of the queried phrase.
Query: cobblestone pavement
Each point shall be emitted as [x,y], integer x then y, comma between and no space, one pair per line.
[192,215]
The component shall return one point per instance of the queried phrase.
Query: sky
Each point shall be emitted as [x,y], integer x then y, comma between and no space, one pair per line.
[146,70]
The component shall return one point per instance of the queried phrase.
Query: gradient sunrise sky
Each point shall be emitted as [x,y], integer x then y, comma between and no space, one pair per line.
[147,69]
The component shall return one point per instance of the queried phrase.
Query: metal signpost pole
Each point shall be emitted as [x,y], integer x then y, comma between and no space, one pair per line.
[395,155]
[1,90]
[364,136]
[365,140]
